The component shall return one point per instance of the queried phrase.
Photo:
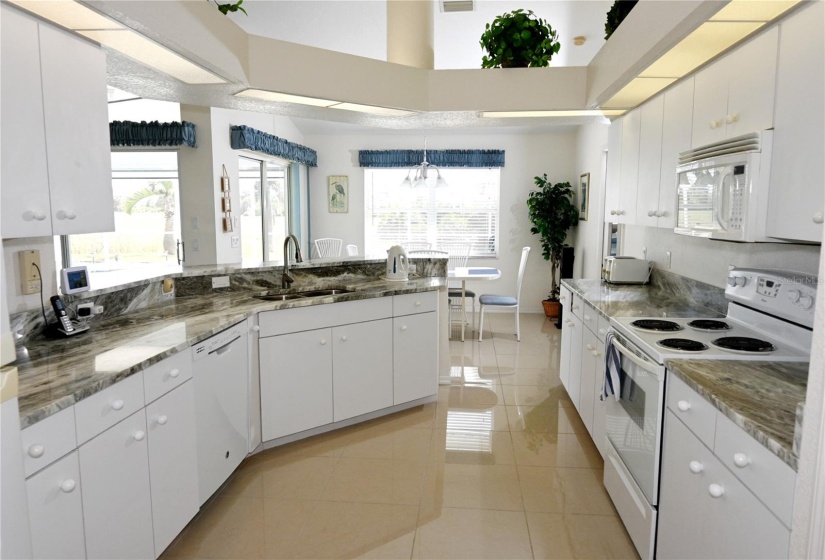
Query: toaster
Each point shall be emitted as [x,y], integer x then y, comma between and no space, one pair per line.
[625,270]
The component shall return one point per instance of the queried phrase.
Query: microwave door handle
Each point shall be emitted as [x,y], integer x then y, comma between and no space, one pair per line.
[644,364]
[721,208]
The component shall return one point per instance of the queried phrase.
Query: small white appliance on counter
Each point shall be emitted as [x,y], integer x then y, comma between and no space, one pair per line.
[625,270]
[398,265]
[770,317]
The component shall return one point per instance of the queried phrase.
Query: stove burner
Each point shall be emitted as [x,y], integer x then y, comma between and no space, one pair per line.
[682,344]
[656,325]
[709,325]
[743,344]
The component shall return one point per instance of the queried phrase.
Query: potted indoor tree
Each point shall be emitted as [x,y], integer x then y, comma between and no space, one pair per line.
[518,39]
[552,212]
[618,11]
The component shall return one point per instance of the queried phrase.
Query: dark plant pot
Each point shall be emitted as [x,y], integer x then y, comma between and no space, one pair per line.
[551,308]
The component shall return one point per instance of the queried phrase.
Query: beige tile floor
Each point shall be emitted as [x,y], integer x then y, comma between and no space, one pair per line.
[500,466]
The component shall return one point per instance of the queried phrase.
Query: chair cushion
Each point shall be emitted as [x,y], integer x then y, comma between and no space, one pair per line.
[492,299]
[452,292]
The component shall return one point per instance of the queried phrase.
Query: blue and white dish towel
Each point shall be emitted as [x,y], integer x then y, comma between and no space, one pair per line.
[612,369]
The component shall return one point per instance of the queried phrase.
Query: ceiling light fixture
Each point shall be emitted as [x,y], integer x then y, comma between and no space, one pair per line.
[265,95]
[417,176]
[579,40]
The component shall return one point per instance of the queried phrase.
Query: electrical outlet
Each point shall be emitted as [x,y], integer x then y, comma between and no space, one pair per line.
[30,271]
[85,310]
[220,281]
[668,259]
[644,253]
[236,241]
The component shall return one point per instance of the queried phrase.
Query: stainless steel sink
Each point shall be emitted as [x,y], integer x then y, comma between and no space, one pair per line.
[301,295]
[278,297]
[329,292]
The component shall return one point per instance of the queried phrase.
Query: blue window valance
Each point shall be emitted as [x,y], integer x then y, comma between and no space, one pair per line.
[130,133]
[441,158]
[245,138]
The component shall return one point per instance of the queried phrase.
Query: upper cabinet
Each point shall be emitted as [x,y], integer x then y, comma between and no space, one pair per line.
[622,168]
[735,95]
[797,199]
[56,167]
[650,162]
[614,167]
[676,136]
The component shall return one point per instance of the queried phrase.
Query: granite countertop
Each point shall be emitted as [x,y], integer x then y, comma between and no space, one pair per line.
[56,373]
[759,397]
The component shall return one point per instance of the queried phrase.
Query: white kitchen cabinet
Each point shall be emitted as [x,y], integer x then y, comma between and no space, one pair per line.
[590,353]
[296,382]
[677,123]
[650,162]
[704,511]
[599,432]
[415,356]
[117,508]
[362,376]
[735,95]
[173,462]
[56,510]
[566,299]
[797,199]
[574,380]
[55,141]
[629,174]
[614,168]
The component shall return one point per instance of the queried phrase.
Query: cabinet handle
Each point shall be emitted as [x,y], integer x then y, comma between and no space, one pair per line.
[596,353]
[587,317]
[819,217]
[68,485]
[30,215]
[716,490]
[139,435]
[715,123]
[36,451]
[651,213]
[418,304]
[162,419]
[684,406]
[602,331]
[730,119]
[612,212]
[741,460]
[117,405]
[323,342]
[403,327]
[256,328]
[343,338]
[661,214]
[590,347]
[173,373]
[64,215]
[696,467]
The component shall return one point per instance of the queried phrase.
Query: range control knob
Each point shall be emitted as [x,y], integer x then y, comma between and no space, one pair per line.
[806,302]
[793,295]
[737,280]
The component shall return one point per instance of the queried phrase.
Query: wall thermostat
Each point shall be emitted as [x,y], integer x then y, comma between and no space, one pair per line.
[74,280]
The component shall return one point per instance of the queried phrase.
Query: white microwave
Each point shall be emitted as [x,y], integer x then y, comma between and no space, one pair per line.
[723,189]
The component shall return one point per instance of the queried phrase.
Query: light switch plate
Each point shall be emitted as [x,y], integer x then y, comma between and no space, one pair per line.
[30,271]
[220,281]
[236,241]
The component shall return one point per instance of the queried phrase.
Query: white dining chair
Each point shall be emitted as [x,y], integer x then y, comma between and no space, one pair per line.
[328,247]
[352,250]
[459,252]
[505,301]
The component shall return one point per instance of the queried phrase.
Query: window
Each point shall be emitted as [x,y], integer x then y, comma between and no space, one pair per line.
[264,216]
[147,222]
[465,210]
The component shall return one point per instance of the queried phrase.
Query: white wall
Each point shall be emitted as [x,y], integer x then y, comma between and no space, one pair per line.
[591,143]
[526,155]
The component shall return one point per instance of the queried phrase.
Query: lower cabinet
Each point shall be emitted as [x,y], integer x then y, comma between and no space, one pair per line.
[117,507]
[56,511]
[574,376]
[361,368]
[414,356]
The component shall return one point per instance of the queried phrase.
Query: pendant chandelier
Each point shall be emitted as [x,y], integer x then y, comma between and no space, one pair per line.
[417,176]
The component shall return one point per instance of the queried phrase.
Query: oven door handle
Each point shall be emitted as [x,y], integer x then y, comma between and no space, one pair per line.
[644,364]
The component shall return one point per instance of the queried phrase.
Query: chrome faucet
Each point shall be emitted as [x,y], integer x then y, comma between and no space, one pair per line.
[286,279]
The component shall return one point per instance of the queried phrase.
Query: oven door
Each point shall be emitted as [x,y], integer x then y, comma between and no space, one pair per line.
[634,422]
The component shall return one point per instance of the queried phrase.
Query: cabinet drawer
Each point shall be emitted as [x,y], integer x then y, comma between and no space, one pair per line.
[577,307]
[164,376]
[323,316]
[408,304]
[48,440]
[590,317]
[603,327]
[565,297]
[692,409]
[108,407]
[771,479]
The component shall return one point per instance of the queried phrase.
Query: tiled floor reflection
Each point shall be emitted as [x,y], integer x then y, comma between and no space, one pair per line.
[501,466]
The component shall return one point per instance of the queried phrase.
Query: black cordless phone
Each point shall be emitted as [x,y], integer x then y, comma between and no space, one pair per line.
[64,323]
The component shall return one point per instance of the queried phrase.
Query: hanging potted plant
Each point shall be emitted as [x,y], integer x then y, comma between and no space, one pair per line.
[553,213]
[518,39]
[618,11]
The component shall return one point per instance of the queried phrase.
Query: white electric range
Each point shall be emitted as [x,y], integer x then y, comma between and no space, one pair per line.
[770,317]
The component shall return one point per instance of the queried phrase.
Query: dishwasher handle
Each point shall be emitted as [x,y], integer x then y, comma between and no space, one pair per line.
[225,348]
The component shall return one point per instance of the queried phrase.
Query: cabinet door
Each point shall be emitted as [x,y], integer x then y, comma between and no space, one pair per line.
[797,199]
[296,382]
[566,299]
[650,162]
[414,356]
[574,379]
[362,376]
[56,510]
[752,79]
[614,169]
[77,133]
[710,104]
[599,432]
[117,508]
[25,194]
[695,524]
[589,352]
[676,133]
[173,463]
[629,174]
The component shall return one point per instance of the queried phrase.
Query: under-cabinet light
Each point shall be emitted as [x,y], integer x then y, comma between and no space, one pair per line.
[372,109]
[318,102]
[572,113]
[68,14]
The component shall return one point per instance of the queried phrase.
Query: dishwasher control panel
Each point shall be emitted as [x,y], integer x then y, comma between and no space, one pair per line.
[203,349]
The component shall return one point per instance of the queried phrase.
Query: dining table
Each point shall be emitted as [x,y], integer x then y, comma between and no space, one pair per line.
[465,273]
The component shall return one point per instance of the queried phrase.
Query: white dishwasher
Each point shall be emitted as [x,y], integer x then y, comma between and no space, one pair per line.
[220,371]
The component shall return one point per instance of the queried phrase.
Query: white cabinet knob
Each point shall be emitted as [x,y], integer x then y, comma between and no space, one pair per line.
[418,304]
[343,338]
[587,317]
[612,212]
[730,119]
[36,451]
[162,419]
[66,215]
[684,406]
[323,342]
[574,307]
[590,347]
[174,373]
[715,123]
[256,328]
[403,327]
[741,460]
[651,213]
[696,467]
[660,213]
[117,405]
[716,490]
[68,485]
[30,215]
[596,353]
[819,217]
[602,331]
[139,435]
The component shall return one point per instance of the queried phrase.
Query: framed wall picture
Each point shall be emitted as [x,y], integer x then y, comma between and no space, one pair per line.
[584,195]
[338,194]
